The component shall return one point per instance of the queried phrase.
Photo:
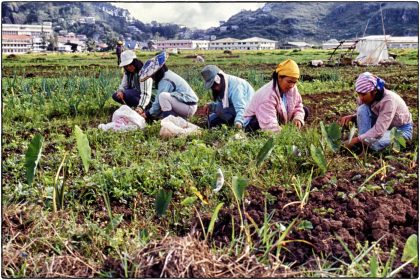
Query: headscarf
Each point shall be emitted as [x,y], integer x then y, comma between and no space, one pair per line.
[367,82]
[288,68]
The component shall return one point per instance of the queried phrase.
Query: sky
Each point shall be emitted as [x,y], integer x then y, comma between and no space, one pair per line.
[190,14]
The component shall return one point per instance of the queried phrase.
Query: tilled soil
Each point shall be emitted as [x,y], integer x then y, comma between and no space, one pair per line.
[335,210]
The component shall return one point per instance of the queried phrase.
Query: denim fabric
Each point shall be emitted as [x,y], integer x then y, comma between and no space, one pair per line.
[222,116]
[366,119]
[131,97]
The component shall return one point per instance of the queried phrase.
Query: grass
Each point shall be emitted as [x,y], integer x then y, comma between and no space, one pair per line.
[108,211]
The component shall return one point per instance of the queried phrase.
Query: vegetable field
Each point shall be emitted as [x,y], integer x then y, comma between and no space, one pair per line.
[81,202]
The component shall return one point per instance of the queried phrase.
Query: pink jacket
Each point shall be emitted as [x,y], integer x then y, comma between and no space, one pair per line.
[266,105]
[391,111]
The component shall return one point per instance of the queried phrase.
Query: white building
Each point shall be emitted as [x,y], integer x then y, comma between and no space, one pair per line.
[409,42]
[28,29]
[16,44]
[183,44]
[333,43]
[254,43]
[296,45]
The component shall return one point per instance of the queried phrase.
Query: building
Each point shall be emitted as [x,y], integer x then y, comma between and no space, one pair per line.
[333,44]
[254,43]
[16,44]
[296,45]
[409,42]
[44,29]
[183,44]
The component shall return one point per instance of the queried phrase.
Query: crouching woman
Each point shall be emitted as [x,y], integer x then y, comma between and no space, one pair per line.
[277,102]
[174,95]
[379,111]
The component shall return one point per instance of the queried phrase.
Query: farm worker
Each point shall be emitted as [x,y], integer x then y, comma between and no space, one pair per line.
[277,102]
[131,91]
[379,111]
[174,95]
[118,50]
[231,95]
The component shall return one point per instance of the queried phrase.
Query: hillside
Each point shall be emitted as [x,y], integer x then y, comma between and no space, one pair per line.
[280,21]
[319,21]
[110,22]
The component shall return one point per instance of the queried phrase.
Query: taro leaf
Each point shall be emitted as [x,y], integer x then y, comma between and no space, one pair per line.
[265,151]
[188,201]
[411,250]
[213,218]
[162,202]
[32,156]
[83,147]
[238,186]
[318,157]
[332,135]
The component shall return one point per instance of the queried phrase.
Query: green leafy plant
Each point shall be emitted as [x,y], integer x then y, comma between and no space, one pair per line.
[319,158]
[163,199]
[58,192]
[332,135]
[398,142]
[238,186]
[32,157]
[265,151]
[213,220]
[83,147]
[411,250]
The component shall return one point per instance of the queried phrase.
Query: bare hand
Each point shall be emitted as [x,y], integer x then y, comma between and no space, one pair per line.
[297,123]
[344,121]
[120,95]
[352,142]
[139,110]
[206,108]
[238,125]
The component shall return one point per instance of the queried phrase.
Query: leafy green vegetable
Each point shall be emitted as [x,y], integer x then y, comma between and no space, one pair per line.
[32,156]
[83,147]
[162,202]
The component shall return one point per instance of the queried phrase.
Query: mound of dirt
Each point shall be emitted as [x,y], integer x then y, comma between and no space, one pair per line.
[335,210]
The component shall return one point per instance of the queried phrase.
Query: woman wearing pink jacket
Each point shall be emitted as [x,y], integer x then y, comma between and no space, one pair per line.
[277,102]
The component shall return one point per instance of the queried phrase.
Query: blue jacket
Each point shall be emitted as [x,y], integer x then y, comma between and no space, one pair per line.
[177,87]
[240,93]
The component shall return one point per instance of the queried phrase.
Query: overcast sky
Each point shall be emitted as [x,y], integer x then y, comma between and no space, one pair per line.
[190,14]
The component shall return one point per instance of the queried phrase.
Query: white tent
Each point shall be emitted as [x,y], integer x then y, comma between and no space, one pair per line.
[372,49]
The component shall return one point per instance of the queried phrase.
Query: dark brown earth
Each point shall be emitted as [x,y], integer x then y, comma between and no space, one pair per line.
[334,209]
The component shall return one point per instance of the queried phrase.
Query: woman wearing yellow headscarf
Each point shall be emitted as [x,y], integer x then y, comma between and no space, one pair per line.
[277,102]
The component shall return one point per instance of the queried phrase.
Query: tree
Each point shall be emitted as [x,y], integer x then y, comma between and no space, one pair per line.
[90,45]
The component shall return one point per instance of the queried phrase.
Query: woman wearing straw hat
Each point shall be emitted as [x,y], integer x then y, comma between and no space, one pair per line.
[118,50]
[278,102]
[379,111]
[174,95]
[131,91]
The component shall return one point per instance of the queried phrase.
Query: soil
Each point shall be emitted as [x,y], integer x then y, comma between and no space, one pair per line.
[335,210]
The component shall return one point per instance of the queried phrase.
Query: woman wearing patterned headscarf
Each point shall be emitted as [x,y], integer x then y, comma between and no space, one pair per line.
[278,102]
[379,111]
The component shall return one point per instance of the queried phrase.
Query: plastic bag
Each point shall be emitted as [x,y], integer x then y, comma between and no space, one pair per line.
[173,126]
[124,119]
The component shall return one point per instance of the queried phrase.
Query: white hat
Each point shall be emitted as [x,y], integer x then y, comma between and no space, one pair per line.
[127,57]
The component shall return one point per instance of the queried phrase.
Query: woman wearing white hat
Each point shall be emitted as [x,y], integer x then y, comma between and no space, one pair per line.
[131,91]
[174,95]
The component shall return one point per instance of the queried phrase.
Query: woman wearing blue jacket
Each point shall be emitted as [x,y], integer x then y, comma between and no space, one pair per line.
[231,96]
[174,95]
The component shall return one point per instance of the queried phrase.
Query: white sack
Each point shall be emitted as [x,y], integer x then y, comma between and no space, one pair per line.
[124,119]
[174,126]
